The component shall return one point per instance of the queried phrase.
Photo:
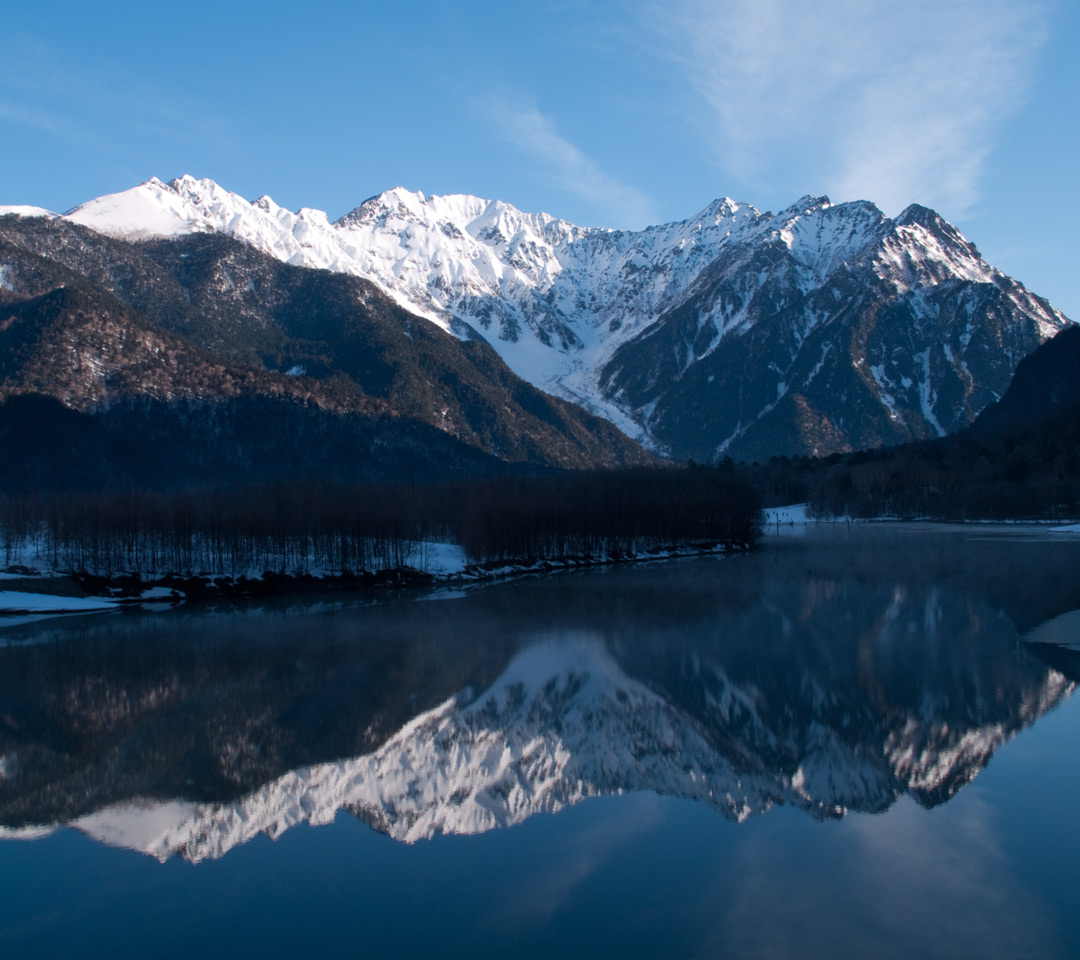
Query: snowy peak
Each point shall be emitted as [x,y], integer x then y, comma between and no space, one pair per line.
[565,306]
[404,205]
[822,237]
[23,210]
[726,208]
[921,224]
[916,213]
[398,202]
[921,249]
[827,328]
[803,207]
[155,209]
[721,211]
[151,209]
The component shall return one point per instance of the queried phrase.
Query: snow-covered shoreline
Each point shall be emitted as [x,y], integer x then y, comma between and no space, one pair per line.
[429,564]
[17,602]
[798,515]
[437,564]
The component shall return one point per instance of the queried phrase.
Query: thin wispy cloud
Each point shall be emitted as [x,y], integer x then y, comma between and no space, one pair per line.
[14,113]
[567,168]
[895,101]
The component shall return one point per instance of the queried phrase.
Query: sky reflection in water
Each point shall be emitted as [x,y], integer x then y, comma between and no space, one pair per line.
[873,671]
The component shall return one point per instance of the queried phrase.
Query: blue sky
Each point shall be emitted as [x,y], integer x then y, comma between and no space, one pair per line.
[605,113]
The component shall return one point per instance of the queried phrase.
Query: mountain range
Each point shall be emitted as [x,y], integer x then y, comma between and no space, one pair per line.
[736,332]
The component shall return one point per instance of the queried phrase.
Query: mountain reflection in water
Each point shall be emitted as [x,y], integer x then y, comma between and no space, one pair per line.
[831,673]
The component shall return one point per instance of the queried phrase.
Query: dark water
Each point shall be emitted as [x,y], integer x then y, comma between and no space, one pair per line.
[784,754]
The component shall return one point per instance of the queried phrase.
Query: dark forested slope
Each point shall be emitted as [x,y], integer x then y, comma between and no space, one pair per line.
[1019,460]
[270,367]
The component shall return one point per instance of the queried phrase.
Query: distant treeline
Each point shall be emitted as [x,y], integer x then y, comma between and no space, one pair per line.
[1031,473]
[305,526]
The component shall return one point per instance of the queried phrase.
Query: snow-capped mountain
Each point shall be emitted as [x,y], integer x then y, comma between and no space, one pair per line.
[554,299]
[735,331]
[860,331]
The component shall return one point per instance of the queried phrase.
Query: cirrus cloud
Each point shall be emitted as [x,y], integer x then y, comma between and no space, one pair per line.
[566,167]
[894,101]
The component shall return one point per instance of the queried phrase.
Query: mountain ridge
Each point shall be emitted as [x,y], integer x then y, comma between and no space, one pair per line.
[861,325]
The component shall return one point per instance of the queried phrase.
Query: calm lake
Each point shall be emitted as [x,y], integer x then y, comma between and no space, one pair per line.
[856,741]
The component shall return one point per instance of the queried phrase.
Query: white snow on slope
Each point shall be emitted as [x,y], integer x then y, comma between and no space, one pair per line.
[22,210]
[186,205]
[439,558]
[795,513]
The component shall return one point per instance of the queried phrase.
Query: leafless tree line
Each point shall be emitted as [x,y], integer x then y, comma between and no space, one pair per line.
[333,529]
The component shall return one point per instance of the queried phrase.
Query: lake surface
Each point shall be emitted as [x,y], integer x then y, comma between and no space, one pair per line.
[856,741]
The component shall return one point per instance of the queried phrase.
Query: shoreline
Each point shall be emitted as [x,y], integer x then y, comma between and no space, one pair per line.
[798,514]
[120,590]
